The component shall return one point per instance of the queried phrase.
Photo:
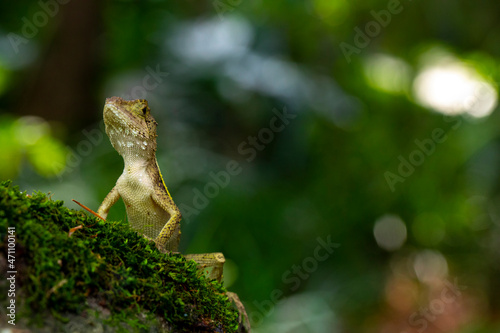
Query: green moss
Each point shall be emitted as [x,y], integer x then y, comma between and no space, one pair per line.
[104,271]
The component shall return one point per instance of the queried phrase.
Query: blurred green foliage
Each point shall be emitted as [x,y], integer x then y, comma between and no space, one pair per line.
[28,139]
[334,171]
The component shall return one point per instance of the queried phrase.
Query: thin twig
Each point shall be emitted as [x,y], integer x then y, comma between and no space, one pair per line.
[88,210]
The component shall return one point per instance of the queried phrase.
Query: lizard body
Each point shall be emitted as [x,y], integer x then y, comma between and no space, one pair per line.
[150,209]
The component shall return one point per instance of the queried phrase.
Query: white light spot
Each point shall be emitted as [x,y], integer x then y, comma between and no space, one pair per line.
[145,143]
[452,87]
[430,266]
[130,144]
[390,232]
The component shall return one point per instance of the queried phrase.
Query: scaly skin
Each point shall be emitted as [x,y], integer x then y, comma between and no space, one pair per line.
[150,208]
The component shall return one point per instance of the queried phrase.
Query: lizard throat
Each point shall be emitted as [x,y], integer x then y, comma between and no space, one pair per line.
[130,147]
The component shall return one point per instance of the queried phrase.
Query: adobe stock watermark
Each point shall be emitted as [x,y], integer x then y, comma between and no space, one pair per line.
[372,29]
[149,82]
[224,6]
[424,148]
[248,148]
[31,27]
[450,293]
[293,277]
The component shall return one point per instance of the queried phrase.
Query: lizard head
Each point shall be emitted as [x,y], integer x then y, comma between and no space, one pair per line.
[130,127]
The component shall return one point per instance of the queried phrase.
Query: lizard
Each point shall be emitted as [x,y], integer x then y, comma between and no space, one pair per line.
[150,208]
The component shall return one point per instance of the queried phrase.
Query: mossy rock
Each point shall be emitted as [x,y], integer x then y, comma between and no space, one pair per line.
[104,277]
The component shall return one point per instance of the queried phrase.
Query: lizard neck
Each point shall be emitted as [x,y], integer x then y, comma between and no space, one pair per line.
[137,161]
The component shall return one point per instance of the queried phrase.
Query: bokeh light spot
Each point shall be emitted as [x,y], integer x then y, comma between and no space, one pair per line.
[30,129]
[387,73]
[453,87]
[212,40]
[390,232]
[334,12]
[430,266]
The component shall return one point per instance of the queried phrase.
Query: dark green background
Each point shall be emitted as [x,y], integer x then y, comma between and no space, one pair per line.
[232,65]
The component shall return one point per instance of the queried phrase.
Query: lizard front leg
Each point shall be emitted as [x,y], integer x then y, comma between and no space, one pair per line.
[109,201]
[169,237]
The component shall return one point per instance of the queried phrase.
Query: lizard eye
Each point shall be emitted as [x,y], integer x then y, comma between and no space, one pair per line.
[144,110]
